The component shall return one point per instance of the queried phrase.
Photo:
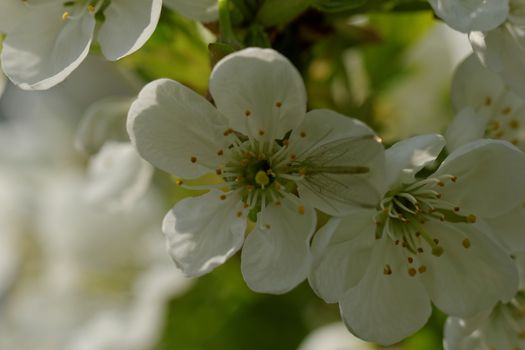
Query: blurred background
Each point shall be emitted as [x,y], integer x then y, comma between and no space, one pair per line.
[83,263]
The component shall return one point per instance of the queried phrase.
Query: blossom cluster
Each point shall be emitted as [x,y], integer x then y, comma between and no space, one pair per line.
[384,231]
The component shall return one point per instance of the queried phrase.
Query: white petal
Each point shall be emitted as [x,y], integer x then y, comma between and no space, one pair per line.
[42,61]
[468,126]
[341,251]
[276,255]
[327,140]
[105,120]
[117,176]
[475,86]
[490,177]
[386,308]
[197,10]
[260,92]
[502,50]
[454,280]
[405,158]
[508,228]
[458,336]
[203,232]
[11,12]
[471,15]
[128,25]
[170,124]
[334,336]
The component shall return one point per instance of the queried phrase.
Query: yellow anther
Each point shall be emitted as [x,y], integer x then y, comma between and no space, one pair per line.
[218,172]
[453,178]
[293,157]
[456,209]
[437,251]
[301,210]
[193,159]
[514,124]
[220,152]
[66,15]
[422,269]
[247,113]
[302,134]
[412,272]
[222,197]
[261,132]
[179,182]
[239,214]
[261,178]
[471,219]
[488,100]
[278,104]
[91,8]
[387,270]
[228,132]
[410,260]
[466,243]
[267,226]
[506,110]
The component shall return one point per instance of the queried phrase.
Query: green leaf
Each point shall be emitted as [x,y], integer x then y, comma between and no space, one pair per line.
[338,5]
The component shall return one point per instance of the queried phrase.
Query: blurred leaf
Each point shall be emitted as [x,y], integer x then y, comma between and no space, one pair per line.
[337,5]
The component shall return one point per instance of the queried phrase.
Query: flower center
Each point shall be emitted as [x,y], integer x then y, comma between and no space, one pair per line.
[404,213]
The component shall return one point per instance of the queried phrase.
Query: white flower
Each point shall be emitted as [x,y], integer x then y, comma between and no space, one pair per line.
[198,10]
[331,160]
[502,328]
[427,241]
[334,336]
[47,40]
[471,15]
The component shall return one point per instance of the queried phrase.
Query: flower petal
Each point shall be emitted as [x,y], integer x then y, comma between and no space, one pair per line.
[276,255]
[260,92]
[386,308]
[10,13]
[468,126]
[508,229]
[327,140]
[405,158]
[202,10]
[502,50]
[341,250]
[467,16]
[203,232]
[42,61]
[128,25]
[117,176]
[471,263]
[490,177]
[458,336]
[176,129]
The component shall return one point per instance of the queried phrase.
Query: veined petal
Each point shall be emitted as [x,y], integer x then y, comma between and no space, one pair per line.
[405,158]
[276,255]
[468,126]
[467,16]
[203,232]
[508,229]
[128,25]
[197,10]
[386,308]
[176,129]
[471,263]
[342,249]
[260,92]
[490,177]
[502,50]
[326,143]
[41,61]
[10,13]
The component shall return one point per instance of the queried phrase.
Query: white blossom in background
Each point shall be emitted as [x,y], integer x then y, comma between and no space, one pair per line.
[487,108]
[261,144]
[74,275]
[496,31]
[197,10]
[501,328]
[46,40]
[427,241]
[334,336]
